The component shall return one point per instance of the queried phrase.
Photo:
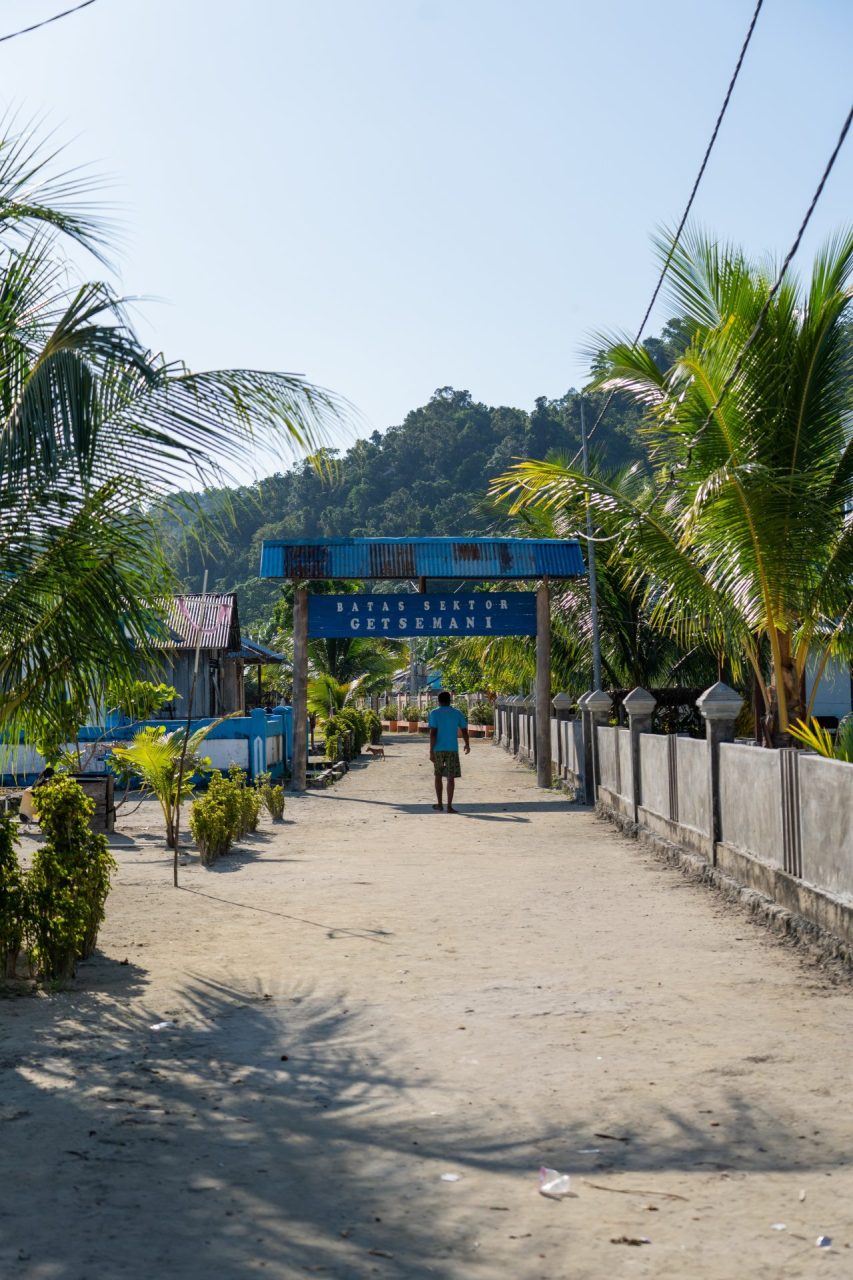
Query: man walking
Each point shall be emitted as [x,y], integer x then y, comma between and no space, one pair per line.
[445,724]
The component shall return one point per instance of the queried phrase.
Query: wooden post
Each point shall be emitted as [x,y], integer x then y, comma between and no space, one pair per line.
[543,685]
[299,763]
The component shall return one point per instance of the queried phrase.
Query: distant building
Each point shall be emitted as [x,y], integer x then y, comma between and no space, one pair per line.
[219,685]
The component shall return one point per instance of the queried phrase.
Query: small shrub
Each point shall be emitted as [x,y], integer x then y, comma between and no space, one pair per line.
[374,727]
[249,804]
[13,898]
[338,739]
[228,810]
[389,711]
[272,796]
[354,720]
[227,793]
[411,712]
[210,827]
[482,713]
[69,881]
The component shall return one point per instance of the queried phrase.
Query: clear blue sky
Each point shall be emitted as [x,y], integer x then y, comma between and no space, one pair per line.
[395,195]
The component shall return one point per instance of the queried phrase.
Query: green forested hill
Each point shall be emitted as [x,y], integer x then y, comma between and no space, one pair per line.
[427,476]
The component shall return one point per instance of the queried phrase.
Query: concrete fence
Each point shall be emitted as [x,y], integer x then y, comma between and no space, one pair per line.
[776,822]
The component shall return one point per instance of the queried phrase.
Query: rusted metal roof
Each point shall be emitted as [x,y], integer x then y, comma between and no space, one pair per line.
[182,616]
[460,558]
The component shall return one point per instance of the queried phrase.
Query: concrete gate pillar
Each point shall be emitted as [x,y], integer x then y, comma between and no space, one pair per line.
[562,704]
[639,705]
[597,705]
[719,707]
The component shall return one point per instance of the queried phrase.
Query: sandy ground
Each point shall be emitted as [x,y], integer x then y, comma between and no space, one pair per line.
[372,996]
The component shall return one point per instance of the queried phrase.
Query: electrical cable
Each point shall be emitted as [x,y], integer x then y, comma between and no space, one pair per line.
[687,208]
[777,284]
[47,21]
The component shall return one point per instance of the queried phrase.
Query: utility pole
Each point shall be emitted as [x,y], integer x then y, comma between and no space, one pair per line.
[590,549]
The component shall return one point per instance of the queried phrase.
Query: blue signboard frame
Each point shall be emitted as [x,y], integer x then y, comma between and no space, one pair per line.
[403,617]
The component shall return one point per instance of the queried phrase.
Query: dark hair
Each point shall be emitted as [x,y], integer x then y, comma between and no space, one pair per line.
[444,698]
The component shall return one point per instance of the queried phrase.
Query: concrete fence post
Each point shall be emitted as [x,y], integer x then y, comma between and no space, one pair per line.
[719,707]
[562,704]
[512,746]
[597,705]
[639,705]
[530,726]
[586,735]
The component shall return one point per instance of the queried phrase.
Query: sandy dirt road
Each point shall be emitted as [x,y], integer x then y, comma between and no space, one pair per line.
[373,996]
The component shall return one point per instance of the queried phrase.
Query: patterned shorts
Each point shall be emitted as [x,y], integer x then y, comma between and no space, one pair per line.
[447,764]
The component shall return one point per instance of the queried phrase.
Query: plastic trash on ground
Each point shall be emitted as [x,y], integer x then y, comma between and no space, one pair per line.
[553,1184]
[824,1242]
[450,1177]
[161,1026]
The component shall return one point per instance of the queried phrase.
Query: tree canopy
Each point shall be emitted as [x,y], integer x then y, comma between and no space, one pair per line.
[427,476]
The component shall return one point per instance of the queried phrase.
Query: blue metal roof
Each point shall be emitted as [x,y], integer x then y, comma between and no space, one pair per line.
[501,558]
[256,654]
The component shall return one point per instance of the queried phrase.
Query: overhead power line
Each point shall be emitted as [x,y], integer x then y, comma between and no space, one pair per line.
[777,283]
[47,21]
[685,215]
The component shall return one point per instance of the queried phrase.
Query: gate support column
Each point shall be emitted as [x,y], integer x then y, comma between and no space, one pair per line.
[543,685]
[299,763]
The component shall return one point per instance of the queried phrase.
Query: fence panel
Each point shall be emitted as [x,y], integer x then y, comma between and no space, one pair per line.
[826,815]
[692,757]
[751,801]
[654,773]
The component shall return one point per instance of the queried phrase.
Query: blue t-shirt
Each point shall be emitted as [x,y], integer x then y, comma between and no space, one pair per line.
[447,721]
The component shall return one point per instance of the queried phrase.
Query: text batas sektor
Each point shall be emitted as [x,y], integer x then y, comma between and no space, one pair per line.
[511,613]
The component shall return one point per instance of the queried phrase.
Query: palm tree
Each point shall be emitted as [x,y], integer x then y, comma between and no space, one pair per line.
[632,651]
[93,428]
[164,765]
[372,662]
[745,538]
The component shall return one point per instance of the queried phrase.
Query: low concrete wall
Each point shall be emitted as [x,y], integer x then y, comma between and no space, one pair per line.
[692,786]
[750,802]
[575,760]
[654,773]
[626,772]
[607,748]
[785,845]
[826,823]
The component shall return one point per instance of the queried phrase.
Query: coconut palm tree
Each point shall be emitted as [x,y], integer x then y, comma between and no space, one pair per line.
[632,651]
[745,538]
[93,428]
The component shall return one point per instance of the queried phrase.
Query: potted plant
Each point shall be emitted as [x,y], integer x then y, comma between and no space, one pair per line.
[389,714]
[411,713]
[483,716]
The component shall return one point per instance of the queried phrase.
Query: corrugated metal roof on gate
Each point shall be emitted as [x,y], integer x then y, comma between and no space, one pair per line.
[215,613]
[460,558]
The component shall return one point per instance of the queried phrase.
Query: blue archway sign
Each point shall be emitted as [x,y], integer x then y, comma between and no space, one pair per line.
[406,617]
[422,560]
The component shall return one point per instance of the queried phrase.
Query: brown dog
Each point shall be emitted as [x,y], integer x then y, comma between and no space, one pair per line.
[376,751]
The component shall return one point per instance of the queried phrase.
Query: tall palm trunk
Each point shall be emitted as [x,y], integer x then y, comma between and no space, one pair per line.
[787,701]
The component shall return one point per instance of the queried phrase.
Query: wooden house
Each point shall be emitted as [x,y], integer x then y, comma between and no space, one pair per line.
[219,684]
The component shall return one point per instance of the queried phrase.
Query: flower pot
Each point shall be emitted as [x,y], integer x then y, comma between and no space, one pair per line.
[393,725]
[413,726]
[490,730]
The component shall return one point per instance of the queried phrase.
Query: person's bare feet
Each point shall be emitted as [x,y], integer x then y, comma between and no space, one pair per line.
[438,807]
[450,809]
